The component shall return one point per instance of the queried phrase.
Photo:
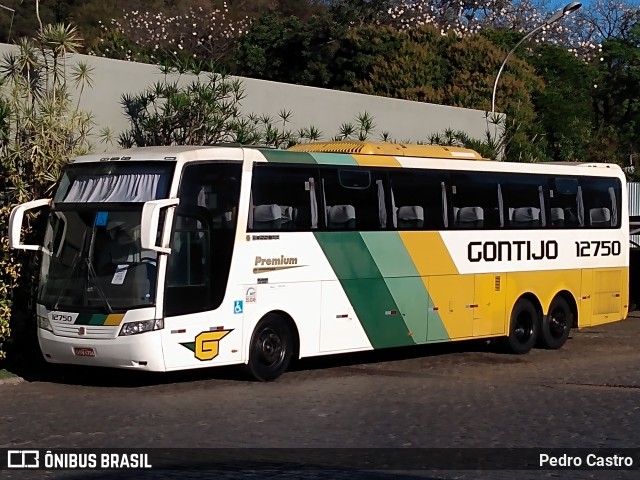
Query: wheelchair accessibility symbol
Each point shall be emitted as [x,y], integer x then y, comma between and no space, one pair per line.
[237,306]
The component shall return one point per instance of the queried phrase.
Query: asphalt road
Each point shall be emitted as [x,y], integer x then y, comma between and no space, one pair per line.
[462,396]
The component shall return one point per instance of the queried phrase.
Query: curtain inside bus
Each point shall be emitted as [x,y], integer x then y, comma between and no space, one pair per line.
[113,183]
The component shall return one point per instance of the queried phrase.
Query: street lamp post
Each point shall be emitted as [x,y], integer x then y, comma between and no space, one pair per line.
[569,8]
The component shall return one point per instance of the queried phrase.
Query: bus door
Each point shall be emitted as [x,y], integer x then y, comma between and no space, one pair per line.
[203,325]
[199,326]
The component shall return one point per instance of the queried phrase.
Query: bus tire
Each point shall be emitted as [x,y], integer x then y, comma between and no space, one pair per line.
[556,325]
[270,349]
[523,328]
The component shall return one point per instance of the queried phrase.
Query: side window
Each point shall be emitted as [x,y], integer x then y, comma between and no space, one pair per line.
[214,189]
[353,199]
[475,198]
[601,198]
[418,199]
[523,199]
[283,198]
[565,203]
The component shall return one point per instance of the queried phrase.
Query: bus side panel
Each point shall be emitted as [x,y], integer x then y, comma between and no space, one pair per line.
[203,339]
[298,300]
[585,308]
[340,328]
[353,262]
[489,305]
[453,299]
[609,295]
[544,285]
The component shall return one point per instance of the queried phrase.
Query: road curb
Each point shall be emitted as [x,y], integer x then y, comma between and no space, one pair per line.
[11,380]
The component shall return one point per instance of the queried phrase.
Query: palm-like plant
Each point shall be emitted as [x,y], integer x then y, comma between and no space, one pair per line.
[41,128]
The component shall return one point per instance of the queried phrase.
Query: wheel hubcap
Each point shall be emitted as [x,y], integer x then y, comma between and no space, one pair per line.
[557,323]
[271,347]
[524,327]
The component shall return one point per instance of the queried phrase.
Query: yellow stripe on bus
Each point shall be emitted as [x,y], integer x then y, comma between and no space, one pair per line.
[376,161]
[114,319]
[429,253]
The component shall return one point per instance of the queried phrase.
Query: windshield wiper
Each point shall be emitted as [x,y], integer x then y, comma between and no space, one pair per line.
[96,282]
[67,280]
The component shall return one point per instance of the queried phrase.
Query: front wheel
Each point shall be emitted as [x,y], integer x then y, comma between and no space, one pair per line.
[271,349]
[523,328]
[555,327]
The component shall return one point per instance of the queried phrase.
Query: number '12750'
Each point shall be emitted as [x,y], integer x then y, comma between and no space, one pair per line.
[594,248]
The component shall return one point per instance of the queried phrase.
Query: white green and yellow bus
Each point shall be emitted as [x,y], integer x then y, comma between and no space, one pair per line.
[170,258]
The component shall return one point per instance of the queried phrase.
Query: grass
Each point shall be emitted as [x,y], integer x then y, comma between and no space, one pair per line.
[5,374]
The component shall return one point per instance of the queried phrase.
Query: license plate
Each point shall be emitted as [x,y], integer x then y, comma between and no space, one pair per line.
[84,352]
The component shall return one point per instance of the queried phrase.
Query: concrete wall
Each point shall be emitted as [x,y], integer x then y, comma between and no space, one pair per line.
[321,108]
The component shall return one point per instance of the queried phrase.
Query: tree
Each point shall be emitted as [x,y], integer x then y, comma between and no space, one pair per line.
[423,65]
[581,33]
[615,98]
[564,105]
[359,12]
[205,32]
[205,111]
[41,128]
[285,49]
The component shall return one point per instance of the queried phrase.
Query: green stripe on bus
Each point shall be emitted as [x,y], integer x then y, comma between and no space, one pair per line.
[90,319]
[334,158]
[402,279]
[366,289]
[283,156]
[406,286]
[436,331]
[390,254]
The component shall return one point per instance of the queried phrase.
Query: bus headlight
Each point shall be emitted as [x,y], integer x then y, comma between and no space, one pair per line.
[133,328]
[43,322]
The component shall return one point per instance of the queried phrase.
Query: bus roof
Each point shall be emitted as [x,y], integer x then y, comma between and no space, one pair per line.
[358,153]
[393,149]
[160,153]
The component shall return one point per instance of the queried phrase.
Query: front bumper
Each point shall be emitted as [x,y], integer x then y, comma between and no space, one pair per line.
[136,352]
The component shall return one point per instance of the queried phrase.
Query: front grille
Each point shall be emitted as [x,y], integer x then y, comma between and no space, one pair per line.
[90,331]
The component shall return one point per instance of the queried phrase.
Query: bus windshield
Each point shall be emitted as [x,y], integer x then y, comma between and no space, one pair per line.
[93,259]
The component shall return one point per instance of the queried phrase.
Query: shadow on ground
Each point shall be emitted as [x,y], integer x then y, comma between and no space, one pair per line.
[32,367]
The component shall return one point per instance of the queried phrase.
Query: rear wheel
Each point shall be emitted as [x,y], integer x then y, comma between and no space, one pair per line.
[556,325]
[523,328]
[271,349]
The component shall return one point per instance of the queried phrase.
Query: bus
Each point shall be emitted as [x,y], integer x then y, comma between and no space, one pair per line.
[172,258]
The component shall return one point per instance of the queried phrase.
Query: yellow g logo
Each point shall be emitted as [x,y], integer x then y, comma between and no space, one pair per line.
[207,344]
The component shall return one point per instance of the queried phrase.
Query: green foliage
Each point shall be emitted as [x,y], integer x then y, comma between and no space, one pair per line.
[424,65]
[286,49]
[489,147]
[367,49]
[41,128]
[616,90]
[205,111]
[359,12]
[361,130]
[564,105]
[113,44]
